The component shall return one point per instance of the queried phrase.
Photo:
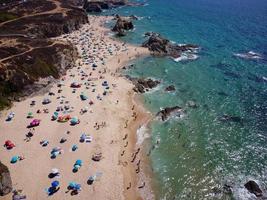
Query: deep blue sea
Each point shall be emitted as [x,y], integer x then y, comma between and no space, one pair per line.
[198,154]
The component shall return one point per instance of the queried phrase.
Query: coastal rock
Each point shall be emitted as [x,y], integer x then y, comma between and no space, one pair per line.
[254,188]
[142,85]
[148,34]
[122,25]
[191,104]
[165,113]
[170,88]
[5,180]
[163,47]
[230,118]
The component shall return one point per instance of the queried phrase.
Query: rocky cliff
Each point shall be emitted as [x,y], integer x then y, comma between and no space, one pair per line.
[27,52]
[5,180]
[99,6]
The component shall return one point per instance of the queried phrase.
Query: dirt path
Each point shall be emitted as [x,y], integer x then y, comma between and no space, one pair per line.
[58,9]
[31,49]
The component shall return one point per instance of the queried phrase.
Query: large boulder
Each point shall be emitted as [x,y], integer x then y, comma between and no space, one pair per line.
[5,180]
[165,113]
[254,188]
[170,88]
[142,85]
[122,25]
[163,47]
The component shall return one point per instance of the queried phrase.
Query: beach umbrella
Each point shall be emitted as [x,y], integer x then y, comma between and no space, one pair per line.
[55,184]
[72,185]
[74,147]
[77,187]
[54,171]
[83,96]
[30,115]
[74,120]
[78,162]
[83,137]
[14,159]
[76,167]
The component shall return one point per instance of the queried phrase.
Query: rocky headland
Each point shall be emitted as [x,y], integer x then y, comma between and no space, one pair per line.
[123,24]
[28,50]
[160,46]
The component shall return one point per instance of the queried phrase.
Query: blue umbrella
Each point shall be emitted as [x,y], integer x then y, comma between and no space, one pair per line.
[77,187]
[74,120]
[74,147]
[55,184]
[72,185]
[78,162]
[14,159]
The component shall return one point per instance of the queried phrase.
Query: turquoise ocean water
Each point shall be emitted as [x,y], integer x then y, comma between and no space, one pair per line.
[198,154]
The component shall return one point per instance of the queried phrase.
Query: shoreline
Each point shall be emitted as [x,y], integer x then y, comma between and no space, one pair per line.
[114,63]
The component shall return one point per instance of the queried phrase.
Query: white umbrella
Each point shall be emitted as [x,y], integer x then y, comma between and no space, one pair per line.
[54,171]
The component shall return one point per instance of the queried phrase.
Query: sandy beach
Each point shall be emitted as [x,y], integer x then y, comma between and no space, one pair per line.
[108,113]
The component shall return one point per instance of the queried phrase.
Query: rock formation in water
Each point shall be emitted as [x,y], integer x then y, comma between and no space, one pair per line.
[170,88]
[254,188]
[191,104]
[230,118]
[142,85]
[5,180]
[165,113]
[163,47]
[122,25]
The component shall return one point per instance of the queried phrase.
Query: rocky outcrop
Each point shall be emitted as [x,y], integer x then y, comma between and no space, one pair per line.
[99,6]
[165,113]
[230,118]
[5,180]
[254,188]
[122,25]
[163,47]
[191,104]
[29,58]
[46,25]
[170,88]
[143,85]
